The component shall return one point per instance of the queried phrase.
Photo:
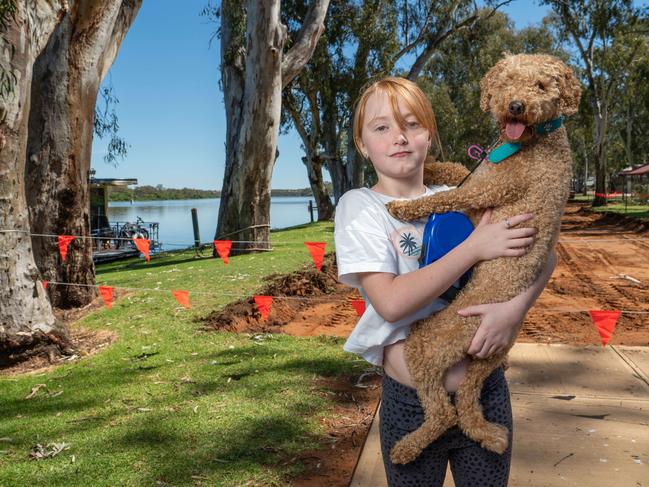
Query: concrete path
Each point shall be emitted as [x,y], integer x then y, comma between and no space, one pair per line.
[581,418]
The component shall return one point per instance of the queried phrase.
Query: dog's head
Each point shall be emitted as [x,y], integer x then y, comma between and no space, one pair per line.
[523,90]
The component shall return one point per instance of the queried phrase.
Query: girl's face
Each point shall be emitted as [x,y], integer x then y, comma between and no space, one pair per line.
[397,154]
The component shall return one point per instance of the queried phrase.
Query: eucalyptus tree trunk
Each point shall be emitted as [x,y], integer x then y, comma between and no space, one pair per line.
[585,153]
[313,160]
[600,108]
[338,175]
[331,142]
[66,80]
[27,324]
[314,164]
[254,69]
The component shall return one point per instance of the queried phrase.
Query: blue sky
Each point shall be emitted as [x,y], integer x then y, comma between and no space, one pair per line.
[171,109]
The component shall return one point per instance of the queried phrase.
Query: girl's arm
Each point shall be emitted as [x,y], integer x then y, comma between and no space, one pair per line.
[501,321]
[396,296]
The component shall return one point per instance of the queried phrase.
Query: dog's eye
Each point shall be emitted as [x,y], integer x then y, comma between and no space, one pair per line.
[540,86]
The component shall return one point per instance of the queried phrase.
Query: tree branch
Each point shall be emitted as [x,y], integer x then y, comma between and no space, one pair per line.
[445,31]
[572,30]
[289,104]
[420,37]
[307,39]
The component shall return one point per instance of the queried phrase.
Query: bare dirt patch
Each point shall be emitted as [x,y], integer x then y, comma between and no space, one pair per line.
[85,342]
[603,264]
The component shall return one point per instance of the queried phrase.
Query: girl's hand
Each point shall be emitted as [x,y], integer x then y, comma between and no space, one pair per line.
[499,326]
[492,240]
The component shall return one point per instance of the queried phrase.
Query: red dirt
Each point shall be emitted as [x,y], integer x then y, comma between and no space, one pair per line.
[594,251]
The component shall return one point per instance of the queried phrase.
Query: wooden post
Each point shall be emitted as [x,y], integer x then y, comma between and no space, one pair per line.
[197,235]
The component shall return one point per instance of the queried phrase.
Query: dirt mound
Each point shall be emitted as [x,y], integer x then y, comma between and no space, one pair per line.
[626,222]
[611,219]
[305,303]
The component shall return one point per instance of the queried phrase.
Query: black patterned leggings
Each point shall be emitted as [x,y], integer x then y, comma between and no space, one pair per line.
[471,465]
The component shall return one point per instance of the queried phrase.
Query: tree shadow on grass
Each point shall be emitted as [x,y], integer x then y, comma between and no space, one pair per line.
[143,265]
[161,436]
[246,444]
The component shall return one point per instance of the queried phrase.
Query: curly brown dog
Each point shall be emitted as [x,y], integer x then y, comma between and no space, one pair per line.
[527,95]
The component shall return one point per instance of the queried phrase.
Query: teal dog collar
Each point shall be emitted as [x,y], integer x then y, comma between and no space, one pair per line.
[550,126]
[508,149]
[502,152]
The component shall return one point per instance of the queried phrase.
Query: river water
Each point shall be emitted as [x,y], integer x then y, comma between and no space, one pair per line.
[174,216]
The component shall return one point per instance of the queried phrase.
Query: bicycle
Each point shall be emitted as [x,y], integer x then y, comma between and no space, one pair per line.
[132,230]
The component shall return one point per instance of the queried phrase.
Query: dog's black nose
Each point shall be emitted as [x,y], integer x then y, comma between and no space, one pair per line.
[516,108]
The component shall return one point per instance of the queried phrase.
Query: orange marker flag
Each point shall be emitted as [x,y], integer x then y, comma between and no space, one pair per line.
[107,295]
[64,242]
[142,245]
[263,304]
[182,297]
[359,306]
[223,249]
[605,322]
[317,250]
[44,284]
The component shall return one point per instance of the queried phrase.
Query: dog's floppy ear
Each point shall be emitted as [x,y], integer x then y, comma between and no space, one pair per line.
[486,84]
[570,90]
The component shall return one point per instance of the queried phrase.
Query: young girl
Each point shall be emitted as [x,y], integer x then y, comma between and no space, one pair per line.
[394,125]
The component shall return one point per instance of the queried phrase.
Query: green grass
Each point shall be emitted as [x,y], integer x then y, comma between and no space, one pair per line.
[617,206]
[168,404]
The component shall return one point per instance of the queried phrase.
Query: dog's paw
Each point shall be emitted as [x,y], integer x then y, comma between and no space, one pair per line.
[403,452]
[400,210]
[496,438]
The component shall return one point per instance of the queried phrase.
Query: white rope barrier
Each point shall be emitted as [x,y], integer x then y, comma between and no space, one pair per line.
[302,298]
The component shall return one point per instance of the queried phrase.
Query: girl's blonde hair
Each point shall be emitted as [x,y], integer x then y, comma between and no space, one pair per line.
[397,88]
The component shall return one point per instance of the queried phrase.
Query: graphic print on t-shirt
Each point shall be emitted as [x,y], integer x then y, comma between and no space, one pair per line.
[407,241]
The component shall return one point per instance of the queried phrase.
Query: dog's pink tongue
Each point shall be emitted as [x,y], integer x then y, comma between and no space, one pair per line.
[514,130]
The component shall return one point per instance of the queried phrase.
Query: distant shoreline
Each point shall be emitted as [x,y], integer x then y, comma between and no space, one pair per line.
[153,193]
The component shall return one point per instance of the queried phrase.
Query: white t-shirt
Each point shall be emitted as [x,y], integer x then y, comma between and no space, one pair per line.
[369,239]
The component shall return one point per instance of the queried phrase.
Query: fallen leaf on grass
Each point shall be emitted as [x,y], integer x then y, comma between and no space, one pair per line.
[35,390]
[40,452]
[85,418]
